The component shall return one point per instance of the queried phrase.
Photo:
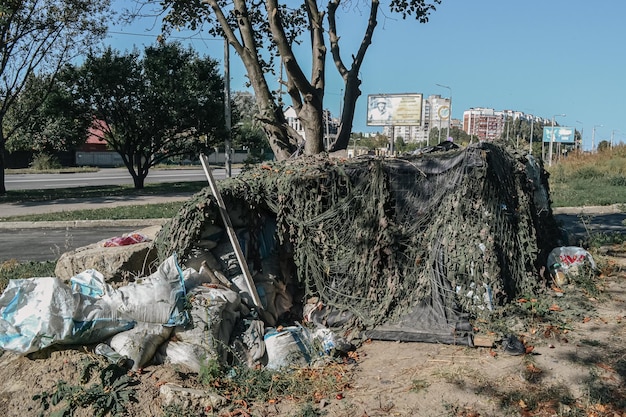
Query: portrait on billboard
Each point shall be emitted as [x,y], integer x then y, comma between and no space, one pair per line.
[394,109]
[380,111]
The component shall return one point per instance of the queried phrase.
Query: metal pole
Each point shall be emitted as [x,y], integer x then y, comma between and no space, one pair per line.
[612,134]
[552,139]
[234,240]
[551,142]
[449,110]
[532,123]
[593,138]
[582,138]
[227,113]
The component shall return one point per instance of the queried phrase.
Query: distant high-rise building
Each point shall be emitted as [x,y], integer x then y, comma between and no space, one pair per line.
[486,124]
[482,123]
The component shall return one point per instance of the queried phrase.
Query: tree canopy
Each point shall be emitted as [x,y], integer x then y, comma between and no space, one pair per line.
[48,116]
[260,32]
[154,106]
[39,37]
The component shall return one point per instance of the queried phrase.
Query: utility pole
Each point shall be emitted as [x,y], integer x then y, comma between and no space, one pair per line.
[227,113]
[552,139]
[532,123]
[593,138]
[582,130]
[449,110]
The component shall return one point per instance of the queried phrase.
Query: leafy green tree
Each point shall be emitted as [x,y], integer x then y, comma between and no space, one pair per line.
[604,145]
[154,107]
[47,116]
[39,37]
[248,133]
[399,144]
[259,32]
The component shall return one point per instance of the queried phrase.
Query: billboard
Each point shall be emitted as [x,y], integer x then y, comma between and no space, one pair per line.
[394,109]
[562,134]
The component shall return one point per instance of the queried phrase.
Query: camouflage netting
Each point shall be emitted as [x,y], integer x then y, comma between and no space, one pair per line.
[451,232]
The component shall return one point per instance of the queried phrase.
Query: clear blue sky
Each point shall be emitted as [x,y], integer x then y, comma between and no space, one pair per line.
[544,57]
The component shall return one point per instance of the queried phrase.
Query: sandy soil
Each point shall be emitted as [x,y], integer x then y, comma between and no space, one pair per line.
[574,370]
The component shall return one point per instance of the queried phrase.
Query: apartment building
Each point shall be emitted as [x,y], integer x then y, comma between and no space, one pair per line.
[487,124]
[331,124]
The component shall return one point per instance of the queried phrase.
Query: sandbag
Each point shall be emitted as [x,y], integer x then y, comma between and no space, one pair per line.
[140,343]
[158,298]
[39,312]
[287,347]
[214,314]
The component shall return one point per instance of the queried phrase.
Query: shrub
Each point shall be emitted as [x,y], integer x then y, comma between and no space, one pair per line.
[587,172]
[618,180]
[44,161]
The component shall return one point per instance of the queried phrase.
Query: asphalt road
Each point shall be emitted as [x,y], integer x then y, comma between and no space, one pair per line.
[47,243]
[39,242]
[107,176]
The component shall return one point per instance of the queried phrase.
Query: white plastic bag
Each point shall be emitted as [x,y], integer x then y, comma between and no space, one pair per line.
[569,259]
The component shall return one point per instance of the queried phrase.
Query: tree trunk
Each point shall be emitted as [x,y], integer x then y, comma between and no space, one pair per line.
[351,95]
[138,181]
[272,119]
[3,189]
[311,117]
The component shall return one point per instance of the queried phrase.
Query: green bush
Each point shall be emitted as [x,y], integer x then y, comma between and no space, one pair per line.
[12,269]
[44,161]
[586,173]
[618,180]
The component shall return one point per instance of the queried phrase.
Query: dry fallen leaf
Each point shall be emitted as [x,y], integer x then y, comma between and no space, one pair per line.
[605,367]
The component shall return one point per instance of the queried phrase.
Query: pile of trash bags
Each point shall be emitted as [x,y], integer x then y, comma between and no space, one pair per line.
[172,316]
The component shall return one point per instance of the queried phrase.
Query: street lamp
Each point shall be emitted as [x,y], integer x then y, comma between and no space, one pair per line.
[530,144]
[582,130]
[612,135]
[552,139]
[593,137]
[449,109]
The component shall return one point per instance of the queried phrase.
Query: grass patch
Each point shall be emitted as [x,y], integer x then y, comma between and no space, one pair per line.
[586,192]
[64,170]
[303,385]
[596,179]
[19,196]
[12,269]
[147,211]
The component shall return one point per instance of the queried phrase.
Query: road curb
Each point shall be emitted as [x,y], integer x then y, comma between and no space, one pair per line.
[612,209]
[83,223]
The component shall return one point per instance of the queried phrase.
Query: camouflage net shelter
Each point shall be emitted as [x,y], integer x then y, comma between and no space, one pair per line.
[406,248]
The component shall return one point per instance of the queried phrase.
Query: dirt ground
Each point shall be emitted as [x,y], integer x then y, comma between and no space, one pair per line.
[575,369]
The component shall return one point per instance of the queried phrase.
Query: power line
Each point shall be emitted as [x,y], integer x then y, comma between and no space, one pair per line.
[195,36]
